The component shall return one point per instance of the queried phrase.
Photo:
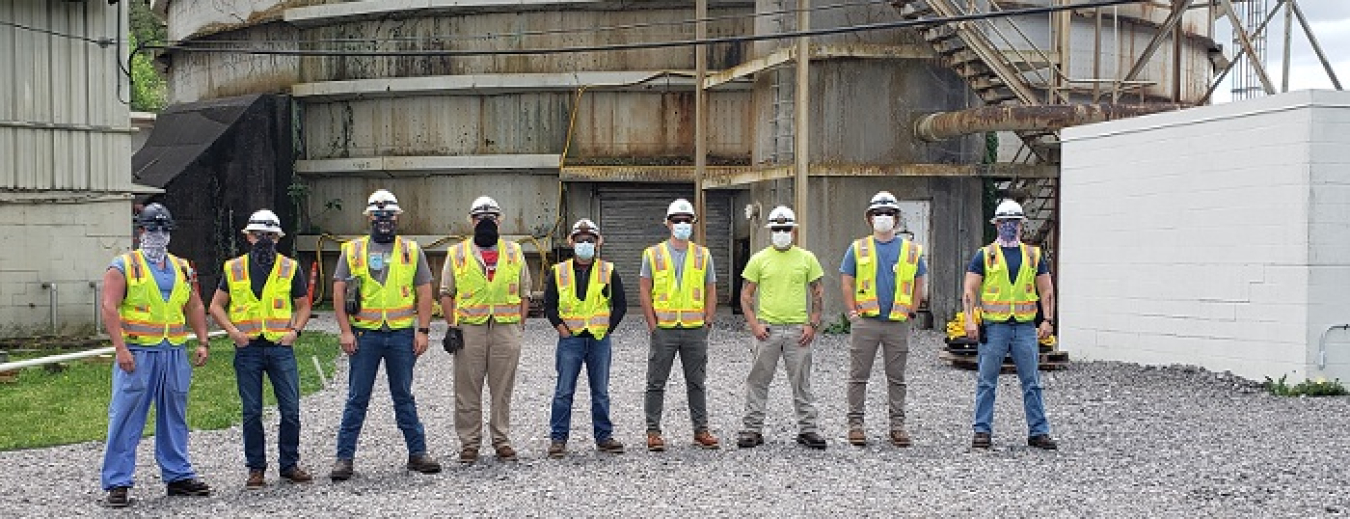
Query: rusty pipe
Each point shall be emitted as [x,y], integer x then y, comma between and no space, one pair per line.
[945,125]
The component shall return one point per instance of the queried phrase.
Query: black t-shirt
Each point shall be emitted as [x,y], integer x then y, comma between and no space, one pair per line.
[257,275]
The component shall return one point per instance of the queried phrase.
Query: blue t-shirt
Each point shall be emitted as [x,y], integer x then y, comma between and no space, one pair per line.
[888,253]
[1014,259]
[165,278]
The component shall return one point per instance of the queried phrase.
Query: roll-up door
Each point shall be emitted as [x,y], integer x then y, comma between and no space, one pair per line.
[632,219]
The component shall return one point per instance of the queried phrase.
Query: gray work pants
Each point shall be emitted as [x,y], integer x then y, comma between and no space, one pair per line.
[892,338]
[783,342]
[692,346]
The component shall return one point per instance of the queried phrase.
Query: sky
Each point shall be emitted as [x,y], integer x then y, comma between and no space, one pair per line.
[1330,20]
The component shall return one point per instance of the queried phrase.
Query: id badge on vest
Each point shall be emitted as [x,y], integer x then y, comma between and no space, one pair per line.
[376,260]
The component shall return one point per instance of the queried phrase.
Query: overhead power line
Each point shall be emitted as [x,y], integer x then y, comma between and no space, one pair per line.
[101,42]
[899,24]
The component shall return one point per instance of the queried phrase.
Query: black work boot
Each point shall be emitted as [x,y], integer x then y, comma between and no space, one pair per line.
[189,487]
[342,470]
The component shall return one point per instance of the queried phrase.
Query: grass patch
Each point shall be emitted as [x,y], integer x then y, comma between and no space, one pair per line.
[1306,388]
[44,408]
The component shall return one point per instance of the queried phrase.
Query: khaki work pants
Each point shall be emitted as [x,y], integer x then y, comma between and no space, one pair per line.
[491,351]
[783,342]
[892,338]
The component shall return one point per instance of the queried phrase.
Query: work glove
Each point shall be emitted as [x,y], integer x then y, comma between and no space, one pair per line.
[453,340]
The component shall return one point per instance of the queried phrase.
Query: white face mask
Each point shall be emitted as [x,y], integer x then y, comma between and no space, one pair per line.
[883,223]
[682,231]
[782,240]
[584,250]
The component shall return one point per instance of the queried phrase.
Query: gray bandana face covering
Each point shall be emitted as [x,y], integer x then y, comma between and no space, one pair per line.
[155,246]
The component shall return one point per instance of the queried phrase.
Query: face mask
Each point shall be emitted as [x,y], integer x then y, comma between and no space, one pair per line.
[155,245]
[883,223]
[264,251]
[485,234]
[584,250]
[782,240]
[1007,230]
[382,230]
[682,231]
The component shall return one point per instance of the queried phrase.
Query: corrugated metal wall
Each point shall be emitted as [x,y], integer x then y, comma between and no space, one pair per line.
[630,219]
[62,126]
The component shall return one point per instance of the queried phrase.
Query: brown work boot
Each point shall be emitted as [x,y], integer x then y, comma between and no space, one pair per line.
[655,443]
[468,455]
[423,463]
[296,475]
[1042,441]
[557,449]
[856,436]
[610,445]
[256,479]
[900,438]
[505,452]
[706,440]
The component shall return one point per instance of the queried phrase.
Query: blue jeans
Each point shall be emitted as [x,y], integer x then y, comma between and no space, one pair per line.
[572,353]
[1021,340]
[278,363]
[395,348]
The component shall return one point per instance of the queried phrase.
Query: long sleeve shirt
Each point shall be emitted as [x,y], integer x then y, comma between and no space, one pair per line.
[617,302]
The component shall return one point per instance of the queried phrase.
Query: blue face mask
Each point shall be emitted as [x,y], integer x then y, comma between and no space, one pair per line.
[682,231]
[584,250]
[1007,229]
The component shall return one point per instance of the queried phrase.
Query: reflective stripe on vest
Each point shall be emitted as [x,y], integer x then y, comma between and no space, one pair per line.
[592,314]
[1000,299]
[867,262]
[393,303]
[678,304]
[478,299]
[147,319]
[269,316]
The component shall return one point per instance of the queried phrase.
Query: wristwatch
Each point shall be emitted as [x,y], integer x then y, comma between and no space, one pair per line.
[424,331]
[297,332]
[1050,320]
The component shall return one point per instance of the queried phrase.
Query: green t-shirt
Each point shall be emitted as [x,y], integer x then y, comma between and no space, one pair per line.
[783,278]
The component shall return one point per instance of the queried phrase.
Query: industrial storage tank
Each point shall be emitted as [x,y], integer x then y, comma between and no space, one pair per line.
[467,108]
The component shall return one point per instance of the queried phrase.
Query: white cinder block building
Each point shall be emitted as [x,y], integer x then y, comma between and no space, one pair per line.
[1217,236]
[65,160]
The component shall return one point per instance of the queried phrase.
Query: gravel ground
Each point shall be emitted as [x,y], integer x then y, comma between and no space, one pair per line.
[1134,441]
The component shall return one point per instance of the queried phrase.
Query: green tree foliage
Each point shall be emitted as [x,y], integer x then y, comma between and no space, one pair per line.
[148,88]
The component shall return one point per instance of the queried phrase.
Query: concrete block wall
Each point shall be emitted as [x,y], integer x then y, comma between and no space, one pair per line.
[1213,236]
[68,245]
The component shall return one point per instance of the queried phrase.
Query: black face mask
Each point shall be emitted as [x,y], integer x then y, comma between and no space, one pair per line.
[485,233]
[264,251]
[382,230]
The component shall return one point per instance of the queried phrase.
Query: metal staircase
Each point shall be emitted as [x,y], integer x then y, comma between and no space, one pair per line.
[1001,77]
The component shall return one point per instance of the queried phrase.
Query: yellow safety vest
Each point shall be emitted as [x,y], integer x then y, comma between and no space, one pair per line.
[678,304]
[479,299]
[592,314]
[394,302]
[147,319]
[865,286]
[1001,300]
[271,316]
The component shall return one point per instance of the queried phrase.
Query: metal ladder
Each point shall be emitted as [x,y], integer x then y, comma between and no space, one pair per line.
[782,119]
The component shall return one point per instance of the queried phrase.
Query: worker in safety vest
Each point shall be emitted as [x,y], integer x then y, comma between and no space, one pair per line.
[783,325]
[584,300]
[268,305]
[394,297]
[882,284]
[1008,281]
[485,292]
[148,304]
[679,300]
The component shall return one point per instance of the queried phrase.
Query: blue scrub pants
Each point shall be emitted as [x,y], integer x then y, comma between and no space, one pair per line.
[162,377]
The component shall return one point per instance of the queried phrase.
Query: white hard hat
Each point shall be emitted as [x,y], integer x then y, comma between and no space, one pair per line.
[1009,210]
[680,206]
[782,216]
[484,205]
[585,225]
[265,221]
[883,200]
[382,199]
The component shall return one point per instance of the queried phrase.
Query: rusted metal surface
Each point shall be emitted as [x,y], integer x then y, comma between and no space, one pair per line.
[940,126]
[786,55]
[739,177]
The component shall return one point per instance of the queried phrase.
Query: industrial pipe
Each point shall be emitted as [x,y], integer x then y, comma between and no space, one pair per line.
[51,305]
[945,125]
[75,355]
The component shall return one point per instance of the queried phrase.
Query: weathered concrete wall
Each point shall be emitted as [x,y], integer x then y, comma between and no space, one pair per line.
[68,244]
[1213,236]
